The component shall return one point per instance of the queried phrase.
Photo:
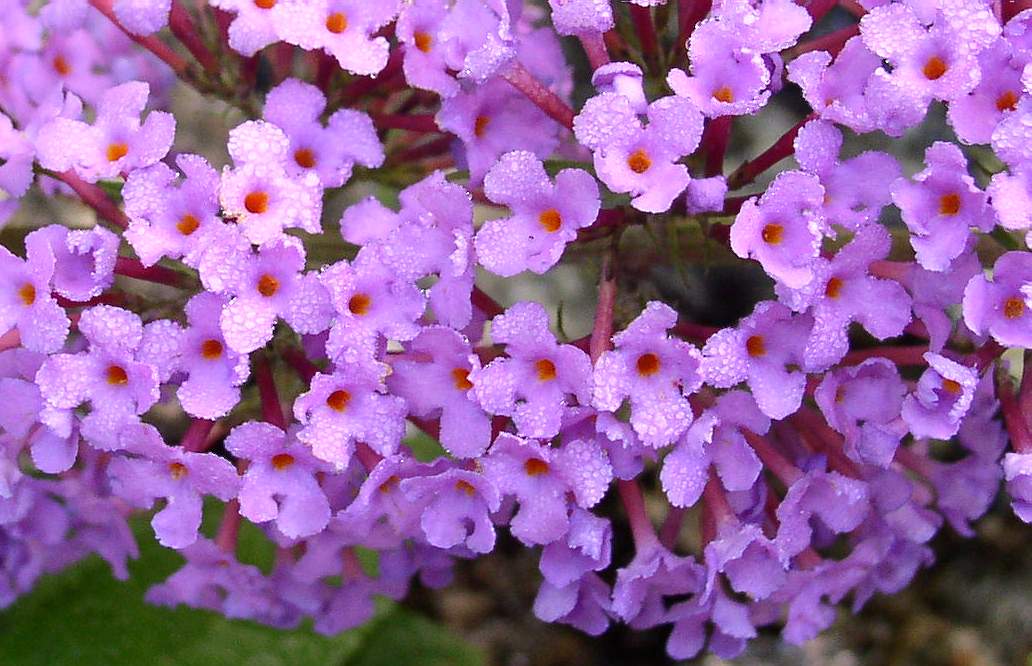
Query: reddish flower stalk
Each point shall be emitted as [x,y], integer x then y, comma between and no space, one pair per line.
[602,332]
[1017,425]
[367,456]
[197,438]
[595,48]
[807,421]
[714,144]
[773,459]
[272,410]
[646,29]
[485,303]
[95,198]
[692,331]
[689,13]
[715,507]
[304,368]
[853,7]
[151,43]
[818,8]
[634,503]
[182,26]
[132,268]
[781,149]
[414,123]
[432,148]
[831,42]
[546,100]
[671,528]
[229,528]
[908,355]
[10,340]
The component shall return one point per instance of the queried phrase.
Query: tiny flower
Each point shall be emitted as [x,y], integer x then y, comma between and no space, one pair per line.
[532,383]
[943,396]
[1017,470]
[26,303]
[158,471]
[252,28]
[1000,306]
[655,372]
[574,17]
[342,28]
[1011,197]
[116,142]
[840,503]
[214,371]
[545,217]
[142,17]
[280,483]
[457,508]
[975,116]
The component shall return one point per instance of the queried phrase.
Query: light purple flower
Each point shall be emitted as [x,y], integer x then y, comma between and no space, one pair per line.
[26,303]
[252,28]
[1011,197]
[214,371]
[1017,470]
[943,396]
[342,28]
[457,507]
[1000,307]
[142,17]
[838,502]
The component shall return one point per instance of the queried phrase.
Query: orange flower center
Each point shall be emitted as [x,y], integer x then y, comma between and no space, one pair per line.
[282,461]
[951,386]
[934,68]
[177,470]
[390,484]
[257,202]
[480,126]
[545,370]
[1013,307]
[268,286]
[304,157]
[338,400]
[648,364]
[535,467]
[359,304]
[639,161]
[116,376]
[337,22]
[187,224]
[61,65]
[755,346]
[211,349]
[264,4]
[116,151]
[1007,101]
[27,293]
[423,41]
[773,234]
[466,487]
[724,94]
[550,220]
[460,377]
[949,204]
[834,288]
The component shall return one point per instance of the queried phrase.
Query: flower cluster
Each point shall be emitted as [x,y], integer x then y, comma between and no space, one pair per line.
[819,442]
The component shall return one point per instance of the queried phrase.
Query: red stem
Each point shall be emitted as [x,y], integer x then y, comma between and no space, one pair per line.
[689,13]
[272,410]
[132,268]
[911,355]
[196,437]
[367,456]
[486,304]
[151,43]
[595,48]
[602,332]
[781,149]
[304,367]
[229,528]
[414,123]
[818,8]
[714,144]
[831,42]
[671,528]
[634,503]
[182,26]
[646,29]
[773,459]
[95,198]
[1017,426]
[546,100]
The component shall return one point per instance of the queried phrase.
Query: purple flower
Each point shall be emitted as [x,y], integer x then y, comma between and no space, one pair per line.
[142,17]
[842,292]
[943,396]
[839,90]
[252,28]
[731,626]
[934,291]
[864,403]
[214,371]
[784,229]
[26,303]
[641,588]
[346,407]
[263,286]
[20,420]
[457,507]
[280,483]
[574,17]
[747,558]
[641,161]
[433,377]
[259,193]
[655,372]
[84,259]
[1017,470]
[965,489]
[118,381]
[758,351]
[838,502]
[623,78]
[330,151]
[420,29]
[940,205]
[158,471]
[167,220]
[1011,136]
[381,516]
[975,116]
[540,477]
[532,383]
[1000,307]
[545,217]
[116,142]
[1011,197]
[342,28]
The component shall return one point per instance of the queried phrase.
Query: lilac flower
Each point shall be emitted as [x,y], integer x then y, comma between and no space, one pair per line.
[935,291]
[540,477]
[142,17]
[545,217]
[342,28]
[842,292]
[381,516]
[259,193]
[253,27]
[965,489]
[1011,197]
[1000,307]
[784,229]
[532,383]
[838,90]
[940,205]
[84,259]
[168,220]
[26,304]
[493,119]
[641,588]
[280,483]
[758,351]
[838,502]
[731,626]
[330,151]
[1017,470]
[263,286]
[117,381]
[116,142]
[623,78]
[943,396]
[19,420]
[346,407]
[655,372]
[457,507]
[171,473]
[214,371]
[575,17]
[640,160]
[863,403]
[432,376]
[1010,139]
[975,116]
[426,57]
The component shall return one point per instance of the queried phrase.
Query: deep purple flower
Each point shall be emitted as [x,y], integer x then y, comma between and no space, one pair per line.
[457,507]
[1017,469]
